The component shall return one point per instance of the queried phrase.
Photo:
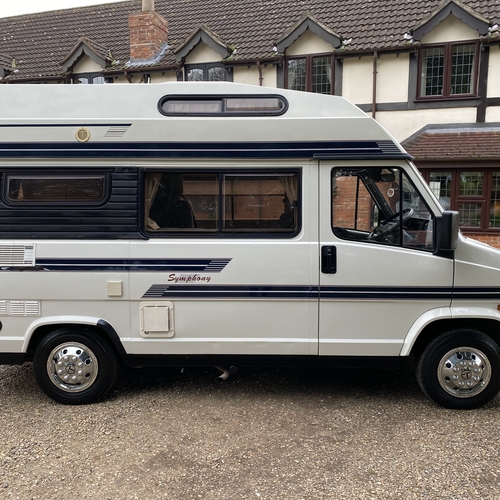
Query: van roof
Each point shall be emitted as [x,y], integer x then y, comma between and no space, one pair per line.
[120,113]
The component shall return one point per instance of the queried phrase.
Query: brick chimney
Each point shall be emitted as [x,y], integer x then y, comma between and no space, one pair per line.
[148,32]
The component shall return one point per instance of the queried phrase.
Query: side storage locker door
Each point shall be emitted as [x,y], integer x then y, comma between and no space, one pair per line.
[378,272]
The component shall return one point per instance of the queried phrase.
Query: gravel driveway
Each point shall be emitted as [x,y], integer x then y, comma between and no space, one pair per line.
[264,433]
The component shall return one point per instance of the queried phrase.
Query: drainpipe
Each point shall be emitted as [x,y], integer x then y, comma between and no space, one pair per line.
[259,67]
[374,91]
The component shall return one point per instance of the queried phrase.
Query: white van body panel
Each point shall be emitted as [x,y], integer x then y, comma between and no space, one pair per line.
[420,324]
[257,295]
[370,304]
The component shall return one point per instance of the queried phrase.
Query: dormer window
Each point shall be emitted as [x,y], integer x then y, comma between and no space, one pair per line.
[88,79]
[211,72]
[310,74]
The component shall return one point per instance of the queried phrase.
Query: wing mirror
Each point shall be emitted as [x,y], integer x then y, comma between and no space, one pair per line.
[448,231]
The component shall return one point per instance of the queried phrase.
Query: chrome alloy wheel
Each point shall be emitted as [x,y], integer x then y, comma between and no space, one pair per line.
[464,372]
[72,367]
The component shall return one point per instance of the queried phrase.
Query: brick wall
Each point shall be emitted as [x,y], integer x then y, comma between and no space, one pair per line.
[490,239]
[148,34]
[345,199]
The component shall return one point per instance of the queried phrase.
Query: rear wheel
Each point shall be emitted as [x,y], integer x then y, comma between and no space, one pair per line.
[75,366]
[460,369]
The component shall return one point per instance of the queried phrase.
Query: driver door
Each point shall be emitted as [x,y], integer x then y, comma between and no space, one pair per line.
[378,271]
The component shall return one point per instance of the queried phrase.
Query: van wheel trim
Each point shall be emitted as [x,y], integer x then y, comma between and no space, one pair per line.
[464,372]
[72,367]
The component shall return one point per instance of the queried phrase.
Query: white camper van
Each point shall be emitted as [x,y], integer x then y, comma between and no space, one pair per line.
[225,224]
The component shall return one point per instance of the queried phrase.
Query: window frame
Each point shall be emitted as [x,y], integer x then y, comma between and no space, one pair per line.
[374,204]
[309,70]
[456,198]
[222,99]
[205,67]
[6,177]
[90,77]
[447,71]
[219,232]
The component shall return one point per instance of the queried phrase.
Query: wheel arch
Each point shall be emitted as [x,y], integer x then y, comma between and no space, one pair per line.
[41,328]
[488,326]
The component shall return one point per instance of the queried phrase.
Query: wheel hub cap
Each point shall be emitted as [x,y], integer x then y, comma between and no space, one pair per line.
[464,372]
[72,367]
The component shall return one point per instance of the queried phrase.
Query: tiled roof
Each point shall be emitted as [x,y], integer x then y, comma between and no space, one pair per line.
[39,42]
[456,143]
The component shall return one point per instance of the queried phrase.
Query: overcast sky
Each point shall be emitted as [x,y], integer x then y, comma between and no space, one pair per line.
[18,7]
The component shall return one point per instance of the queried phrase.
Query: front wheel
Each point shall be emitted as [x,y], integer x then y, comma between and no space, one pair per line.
[75,366]
[460,369]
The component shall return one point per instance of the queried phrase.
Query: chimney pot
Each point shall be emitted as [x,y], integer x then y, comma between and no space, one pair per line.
[148,5]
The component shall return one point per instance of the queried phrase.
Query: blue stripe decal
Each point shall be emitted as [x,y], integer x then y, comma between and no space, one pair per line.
[386,293]
[478,293]
[317,149]
[160,291]
[230,291]
[138,265]
[442,294]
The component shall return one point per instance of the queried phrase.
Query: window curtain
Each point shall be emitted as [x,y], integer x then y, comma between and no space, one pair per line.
[152,183]
[289,184]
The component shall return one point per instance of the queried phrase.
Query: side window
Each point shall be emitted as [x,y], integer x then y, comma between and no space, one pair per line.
[224,203]
[180,202]
[380,206]
[264,203]
[50,189]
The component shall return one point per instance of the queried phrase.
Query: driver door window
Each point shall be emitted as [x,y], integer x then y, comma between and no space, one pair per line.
[380,206]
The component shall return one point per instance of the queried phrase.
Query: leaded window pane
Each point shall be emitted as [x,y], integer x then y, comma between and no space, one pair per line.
[195,75]
[440,184]
[495,200]
[432,71]
[471,184]
[322,75]
[470,214]
[297,74]
[81,80]
[216,74]
[462,69]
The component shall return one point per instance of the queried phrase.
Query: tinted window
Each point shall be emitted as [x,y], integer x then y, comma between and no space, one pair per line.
[221,202]
[52,189]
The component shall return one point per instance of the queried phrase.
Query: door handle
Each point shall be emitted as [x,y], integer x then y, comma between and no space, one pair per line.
[328,260]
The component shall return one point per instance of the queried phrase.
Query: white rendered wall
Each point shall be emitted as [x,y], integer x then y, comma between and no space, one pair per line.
[250,76]
[493,114]
[308,43]
[494,72]
[166,76]
[202,53]
[393,78]
[451,29]
[402,124]
[357,85]
[87,65]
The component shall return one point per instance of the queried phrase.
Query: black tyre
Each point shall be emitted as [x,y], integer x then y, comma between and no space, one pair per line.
[74,366]
[460,370]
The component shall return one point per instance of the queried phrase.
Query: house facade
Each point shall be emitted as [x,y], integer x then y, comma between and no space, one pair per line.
[428,70]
